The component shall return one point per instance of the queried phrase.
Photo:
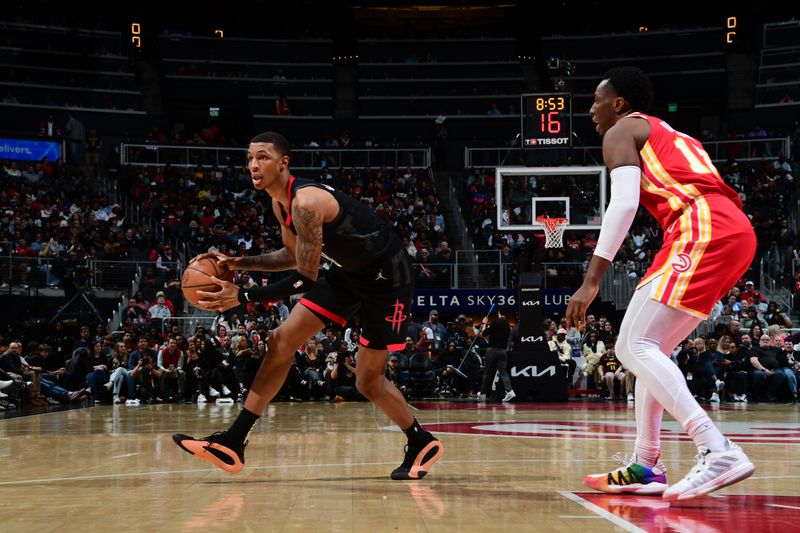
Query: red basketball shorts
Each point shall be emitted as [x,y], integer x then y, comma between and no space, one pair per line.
[705,251]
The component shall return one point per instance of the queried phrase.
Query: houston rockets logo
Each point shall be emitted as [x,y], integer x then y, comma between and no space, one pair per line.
[681,262]
[397,318]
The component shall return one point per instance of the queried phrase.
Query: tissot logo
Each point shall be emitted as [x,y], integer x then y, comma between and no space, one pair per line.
[528,303]
[532,338]
[532,371]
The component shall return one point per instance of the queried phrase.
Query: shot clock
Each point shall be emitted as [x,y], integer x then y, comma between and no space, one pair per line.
[546,120]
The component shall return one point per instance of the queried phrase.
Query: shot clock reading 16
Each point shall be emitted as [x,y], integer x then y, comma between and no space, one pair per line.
[546,120]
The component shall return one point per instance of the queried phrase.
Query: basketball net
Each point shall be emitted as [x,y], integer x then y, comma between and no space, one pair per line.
[553,231]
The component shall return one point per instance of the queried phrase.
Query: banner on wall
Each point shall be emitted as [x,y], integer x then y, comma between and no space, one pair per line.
[29,150]
[468,301]
[556,300]
[478,301]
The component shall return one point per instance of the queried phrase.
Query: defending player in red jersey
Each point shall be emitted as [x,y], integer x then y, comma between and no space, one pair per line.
[708,244]
[370,274]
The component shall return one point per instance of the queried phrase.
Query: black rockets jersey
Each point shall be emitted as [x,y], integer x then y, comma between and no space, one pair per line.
[357,238]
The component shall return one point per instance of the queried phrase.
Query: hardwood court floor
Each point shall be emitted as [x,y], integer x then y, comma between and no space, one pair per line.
[323,467]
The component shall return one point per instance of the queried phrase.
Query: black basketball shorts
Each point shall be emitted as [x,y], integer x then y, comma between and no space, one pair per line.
[380,295]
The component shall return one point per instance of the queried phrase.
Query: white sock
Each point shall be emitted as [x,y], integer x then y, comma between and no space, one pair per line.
[648,427]
[705,434]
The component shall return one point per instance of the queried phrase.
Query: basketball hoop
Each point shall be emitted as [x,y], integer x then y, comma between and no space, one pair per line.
[553,231]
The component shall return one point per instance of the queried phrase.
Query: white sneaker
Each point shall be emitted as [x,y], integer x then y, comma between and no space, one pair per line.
[713,471]
[225,401]
[201,399]
[108,385]
[134,401]
[481,397]
[214,393]
[630,397]
[6,384]
[3,395]
[510,395]
[116,399]
[714,398]
[226,391]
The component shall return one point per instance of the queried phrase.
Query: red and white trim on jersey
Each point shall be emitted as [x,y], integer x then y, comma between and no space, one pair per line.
[689,244]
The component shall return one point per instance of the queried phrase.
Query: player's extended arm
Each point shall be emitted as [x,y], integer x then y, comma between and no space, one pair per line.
[307,215]
[622,157]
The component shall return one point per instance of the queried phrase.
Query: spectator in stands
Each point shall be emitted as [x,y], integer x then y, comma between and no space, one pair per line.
[611,372]
[120,374]
[752,320]
[789,366]
[14,364]
[767,382]
[148,379]
[53,368]
[751,296]
[310,361]
[170,364]
[705,373]
[394,375]
[593,350]
[159,310]
[343,378]
[76,137]
[98,374]
[563,348]
[774,316]
[50,128]
[437,329]
[282,107]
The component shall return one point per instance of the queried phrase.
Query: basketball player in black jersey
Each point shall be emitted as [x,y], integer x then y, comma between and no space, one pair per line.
[370,274]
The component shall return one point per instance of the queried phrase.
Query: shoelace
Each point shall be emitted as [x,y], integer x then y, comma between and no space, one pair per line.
[700,459]
[623,458]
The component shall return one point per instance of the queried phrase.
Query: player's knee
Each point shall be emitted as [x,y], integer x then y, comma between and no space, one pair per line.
[281,344]
[369,385]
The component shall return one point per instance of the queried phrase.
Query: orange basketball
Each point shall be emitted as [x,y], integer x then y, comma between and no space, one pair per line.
[197,277]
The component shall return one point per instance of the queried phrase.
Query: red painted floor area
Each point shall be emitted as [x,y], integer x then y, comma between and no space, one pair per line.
[711,514]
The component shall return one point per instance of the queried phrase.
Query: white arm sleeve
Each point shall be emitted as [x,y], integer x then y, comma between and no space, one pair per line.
[621,211]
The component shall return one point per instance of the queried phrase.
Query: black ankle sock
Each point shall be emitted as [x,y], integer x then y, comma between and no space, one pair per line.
[415,433]
[242,425]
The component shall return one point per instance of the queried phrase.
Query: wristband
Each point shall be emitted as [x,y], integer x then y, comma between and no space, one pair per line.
[292,284]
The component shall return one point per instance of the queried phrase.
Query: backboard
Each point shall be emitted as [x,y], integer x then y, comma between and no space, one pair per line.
[579,194]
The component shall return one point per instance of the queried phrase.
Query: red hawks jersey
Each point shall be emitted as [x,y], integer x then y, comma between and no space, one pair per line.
[676,170]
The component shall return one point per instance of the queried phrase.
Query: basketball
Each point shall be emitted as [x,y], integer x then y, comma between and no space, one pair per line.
[197,277]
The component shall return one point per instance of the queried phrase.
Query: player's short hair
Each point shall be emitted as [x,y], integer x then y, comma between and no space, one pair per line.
[278,141]
[633,85]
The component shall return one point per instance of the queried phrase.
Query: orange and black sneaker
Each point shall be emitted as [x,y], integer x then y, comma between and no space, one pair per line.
[420,457]
[216,449]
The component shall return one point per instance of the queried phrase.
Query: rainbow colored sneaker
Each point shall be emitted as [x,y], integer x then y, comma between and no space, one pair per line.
[631,478]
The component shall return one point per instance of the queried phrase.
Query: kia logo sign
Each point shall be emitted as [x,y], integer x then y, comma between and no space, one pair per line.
[532,371]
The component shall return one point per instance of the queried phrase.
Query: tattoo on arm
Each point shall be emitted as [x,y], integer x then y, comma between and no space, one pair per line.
[272,262]
[309,240]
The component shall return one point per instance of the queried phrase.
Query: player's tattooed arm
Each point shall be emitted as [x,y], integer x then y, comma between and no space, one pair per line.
[280,260]
[277,261]
[307,218]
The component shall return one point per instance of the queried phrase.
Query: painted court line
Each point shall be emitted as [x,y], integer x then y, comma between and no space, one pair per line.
[614,519]
[783,506]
